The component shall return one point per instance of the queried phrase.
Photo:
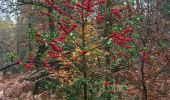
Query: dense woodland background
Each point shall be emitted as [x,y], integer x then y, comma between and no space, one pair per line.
[18,22]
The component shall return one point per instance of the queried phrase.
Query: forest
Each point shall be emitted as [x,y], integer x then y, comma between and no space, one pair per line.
[84,49]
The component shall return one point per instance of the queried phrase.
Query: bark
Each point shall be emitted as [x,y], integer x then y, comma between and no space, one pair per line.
[84,56]
[144,88]
[42,49]
[138,4]
[107,30]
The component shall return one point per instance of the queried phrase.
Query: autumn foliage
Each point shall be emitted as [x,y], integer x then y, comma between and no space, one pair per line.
[90,58]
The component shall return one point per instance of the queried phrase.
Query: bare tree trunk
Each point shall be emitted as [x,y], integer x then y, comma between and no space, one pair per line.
[43,47]
[144,88]
[143,84]
[107,30]
[138,4]
[84,61]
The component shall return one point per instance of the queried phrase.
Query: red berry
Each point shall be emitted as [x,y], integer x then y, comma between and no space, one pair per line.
[107,84]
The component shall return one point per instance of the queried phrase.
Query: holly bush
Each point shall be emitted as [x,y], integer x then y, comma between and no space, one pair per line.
[86,44]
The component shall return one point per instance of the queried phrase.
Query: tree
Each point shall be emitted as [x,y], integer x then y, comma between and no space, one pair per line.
[83,56]
[7,37]
[165,8]
[55,41]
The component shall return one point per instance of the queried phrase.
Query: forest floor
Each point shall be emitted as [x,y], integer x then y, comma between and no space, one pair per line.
[13,87]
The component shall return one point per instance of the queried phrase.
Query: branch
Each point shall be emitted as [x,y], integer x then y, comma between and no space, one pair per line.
[8,66]
[26,2]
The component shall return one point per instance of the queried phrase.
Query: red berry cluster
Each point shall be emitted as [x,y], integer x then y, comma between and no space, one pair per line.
[107,84]
[146,56]
[117,11]
[120,38]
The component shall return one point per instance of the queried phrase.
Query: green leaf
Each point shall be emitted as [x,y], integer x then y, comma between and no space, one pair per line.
[136,36]
[117,28]
[135,21]
[97,53]
[109,41]
[31,32]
